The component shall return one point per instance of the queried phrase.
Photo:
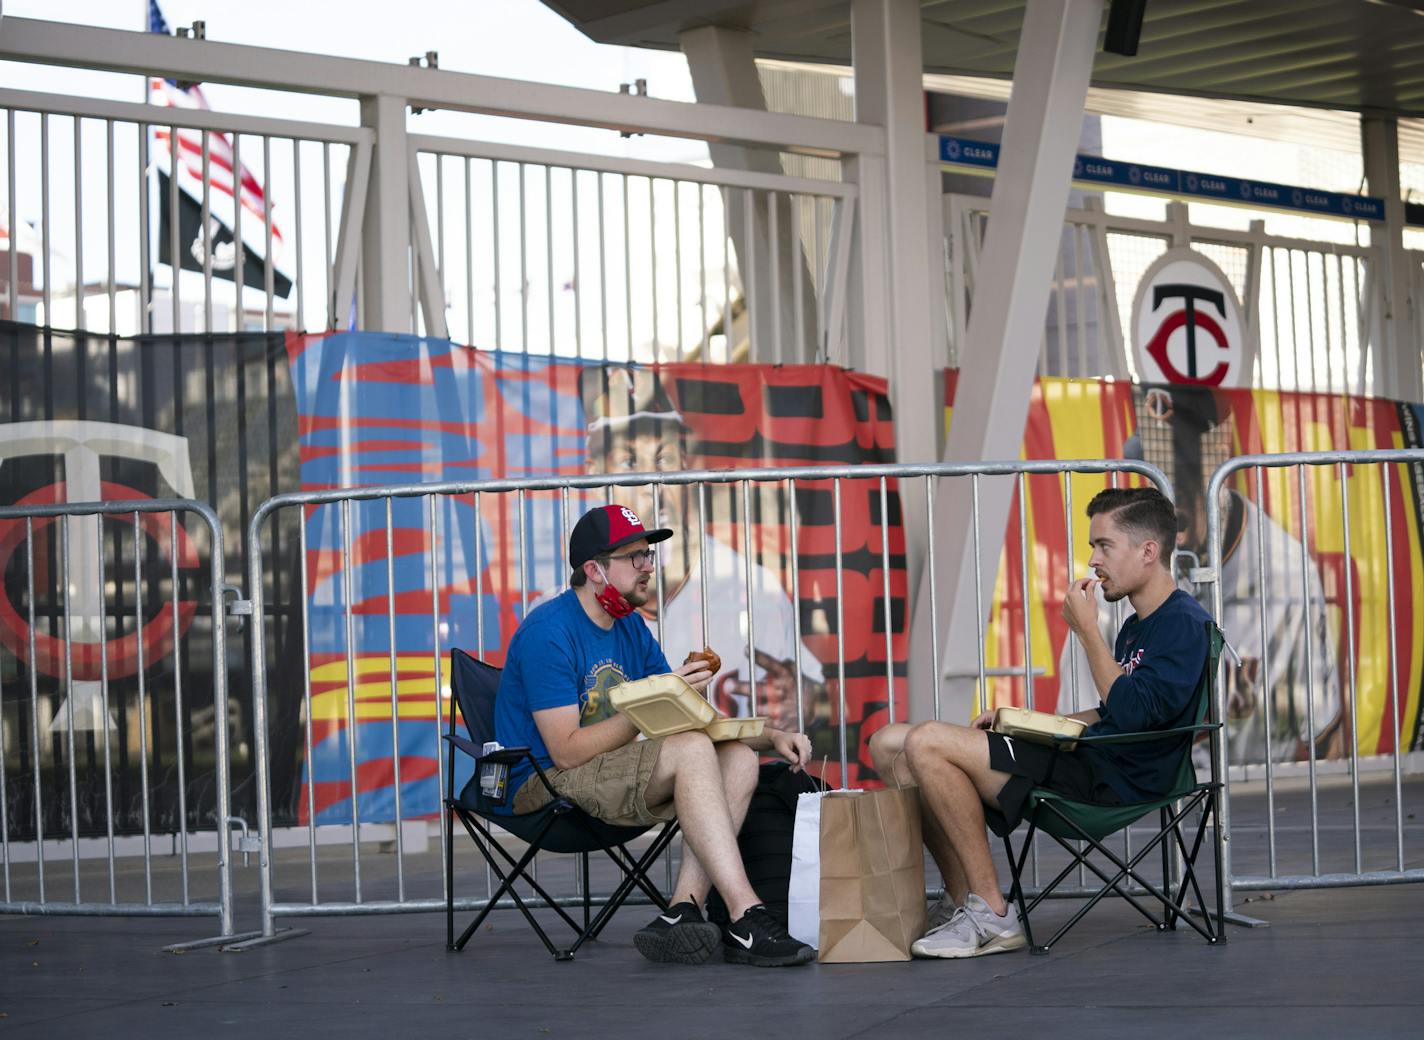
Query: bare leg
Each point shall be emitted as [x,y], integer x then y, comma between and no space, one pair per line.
[711,789]
[887,747]
[951,764]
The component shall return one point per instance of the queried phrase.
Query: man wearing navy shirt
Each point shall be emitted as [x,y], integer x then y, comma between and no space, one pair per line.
[1148,682]
[553,699]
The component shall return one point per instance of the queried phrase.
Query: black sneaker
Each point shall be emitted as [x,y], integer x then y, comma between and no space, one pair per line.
[680,936]
[760,938]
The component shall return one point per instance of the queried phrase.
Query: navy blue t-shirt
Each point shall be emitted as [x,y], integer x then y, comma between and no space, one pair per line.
[558,657]
[1162,655]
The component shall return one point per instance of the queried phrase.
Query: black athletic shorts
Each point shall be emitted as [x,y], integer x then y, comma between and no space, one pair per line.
[1039,765]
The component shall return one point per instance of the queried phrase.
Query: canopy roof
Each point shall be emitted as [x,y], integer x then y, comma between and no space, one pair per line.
[1365,55]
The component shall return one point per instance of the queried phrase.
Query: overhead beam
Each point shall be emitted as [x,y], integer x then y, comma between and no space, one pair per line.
[997,364]
[113,50]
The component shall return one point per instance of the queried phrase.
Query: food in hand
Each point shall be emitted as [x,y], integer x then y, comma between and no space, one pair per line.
[714,663]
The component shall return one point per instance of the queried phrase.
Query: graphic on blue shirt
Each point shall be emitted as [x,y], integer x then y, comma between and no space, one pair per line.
[560,658]
[1162,656]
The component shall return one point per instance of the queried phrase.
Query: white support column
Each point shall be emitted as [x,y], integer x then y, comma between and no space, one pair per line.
[1397,355]
[898,280]
[724,72]
[386,231]
[1041,130]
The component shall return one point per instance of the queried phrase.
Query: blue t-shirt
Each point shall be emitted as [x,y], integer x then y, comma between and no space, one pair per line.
[558,657]
[1162,655]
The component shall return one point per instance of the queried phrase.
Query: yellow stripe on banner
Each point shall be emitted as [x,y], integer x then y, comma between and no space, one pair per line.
[1367,521]
[373,702]
[371,664]
[1409,703]
[1075,417]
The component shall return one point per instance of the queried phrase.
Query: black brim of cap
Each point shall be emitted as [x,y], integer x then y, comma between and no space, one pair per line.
[659,534]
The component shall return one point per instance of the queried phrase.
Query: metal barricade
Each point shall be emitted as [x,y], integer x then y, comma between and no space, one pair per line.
[428,528]
[82,648]
[1282,691]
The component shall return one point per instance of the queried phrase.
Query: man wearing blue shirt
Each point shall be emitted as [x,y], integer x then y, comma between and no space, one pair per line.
[1148,682]
[553,698]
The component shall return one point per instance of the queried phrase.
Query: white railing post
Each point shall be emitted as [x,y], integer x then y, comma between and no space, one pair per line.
[386,231]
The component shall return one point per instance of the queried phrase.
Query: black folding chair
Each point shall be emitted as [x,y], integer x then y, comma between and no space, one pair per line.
[560,826]
[1068,821]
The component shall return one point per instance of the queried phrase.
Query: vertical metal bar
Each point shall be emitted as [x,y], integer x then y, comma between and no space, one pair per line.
[239,281]
[349,618]
[1276,317]
[978,596]
[627,269]
[207,211]
[795,602]
[1079,310]
[703,324]
[1295,344]
[749,275]
[1350,656]
[936,676]
[602,268]
[1071,656]
[727,320]
[523,555]
[578,282]
[267,267]
[328,260]
[840,627]
[80,322]
[307,698]
[549,249]
[1309,678]
[1060,309]
[104,710]
[798,290]
[479,633]
[1267,696]
[702,555]
[395,699]
[677,261]
[35,694]
[69,699]
[4,800]
[1023,568]
[441,760]
[174,264]
[469,276]
[297,234]
[46,245]
[444,267]
[653,261]
[178,710]
[109,219]
[14,267]
[1393,675]
[142,711]
[494,247]
[747,553]
[884,588]
[659,591]
[223,768]
[523,264]
[773,237]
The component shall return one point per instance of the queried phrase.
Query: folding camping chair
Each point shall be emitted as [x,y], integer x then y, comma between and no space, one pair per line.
[1068,821]
[560,826]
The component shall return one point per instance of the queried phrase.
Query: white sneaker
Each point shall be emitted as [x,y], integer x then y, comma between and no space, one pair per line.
[941,912]
[973,931]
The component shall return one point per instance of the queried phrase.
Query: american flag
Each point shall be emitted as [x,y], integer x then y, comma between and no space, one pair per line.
[172,94]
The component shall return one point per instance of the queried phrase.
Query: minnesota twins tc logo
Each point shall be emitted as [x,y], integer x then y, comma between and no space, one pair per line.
[1186,323]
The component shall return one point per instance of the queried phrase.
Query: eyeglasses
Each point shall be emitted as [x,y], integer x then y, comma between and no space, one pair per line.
[639,558]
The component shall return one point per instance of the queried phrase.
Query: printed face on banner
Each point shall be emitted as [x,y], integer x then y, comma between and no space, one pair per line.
[1186,323]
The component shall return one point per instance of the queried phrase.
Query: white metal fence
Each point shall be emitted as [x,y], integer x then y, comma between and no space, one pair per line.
[1313,309]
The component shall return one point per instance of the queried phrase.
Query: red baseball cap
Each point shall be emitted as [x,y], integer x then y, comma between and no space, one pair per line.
[601,530]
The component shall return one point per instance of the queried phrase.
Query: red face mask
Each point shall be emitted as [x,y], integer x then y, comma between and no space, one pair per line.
[611,600]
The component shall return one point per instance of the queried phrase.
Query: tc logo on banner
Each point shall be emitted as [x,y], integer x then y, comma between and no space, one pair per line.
[83,444]
[1186,323]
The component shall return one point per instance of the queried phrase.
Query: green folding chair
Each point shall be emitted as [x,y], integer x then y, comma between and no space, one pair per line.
[1069,822]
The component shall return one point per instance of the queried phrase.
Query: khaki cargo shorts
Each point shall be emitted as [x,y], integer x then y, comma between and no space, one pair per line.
[609,787]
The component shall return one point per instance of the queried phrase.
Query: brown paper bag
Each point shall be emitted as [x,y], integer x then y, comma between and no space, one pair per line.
[872,875]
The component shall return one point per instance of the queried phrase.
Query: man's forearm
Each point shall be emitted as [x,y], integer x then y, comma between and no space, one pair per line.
[588,742]
[1100,662]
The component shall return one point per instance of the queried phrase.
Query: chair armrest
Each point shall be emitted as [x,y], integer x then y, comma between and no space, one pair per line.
[504,756]
[1139,737]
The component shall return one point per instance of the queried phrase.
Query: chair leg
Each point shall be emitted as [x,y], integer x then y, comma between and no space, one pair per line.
[1016,893]
[634,874]
[587,895]
[449,877]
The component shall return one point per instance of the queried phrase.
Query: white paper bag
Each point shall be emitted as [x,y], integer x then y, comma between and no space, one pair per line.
[803,897]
